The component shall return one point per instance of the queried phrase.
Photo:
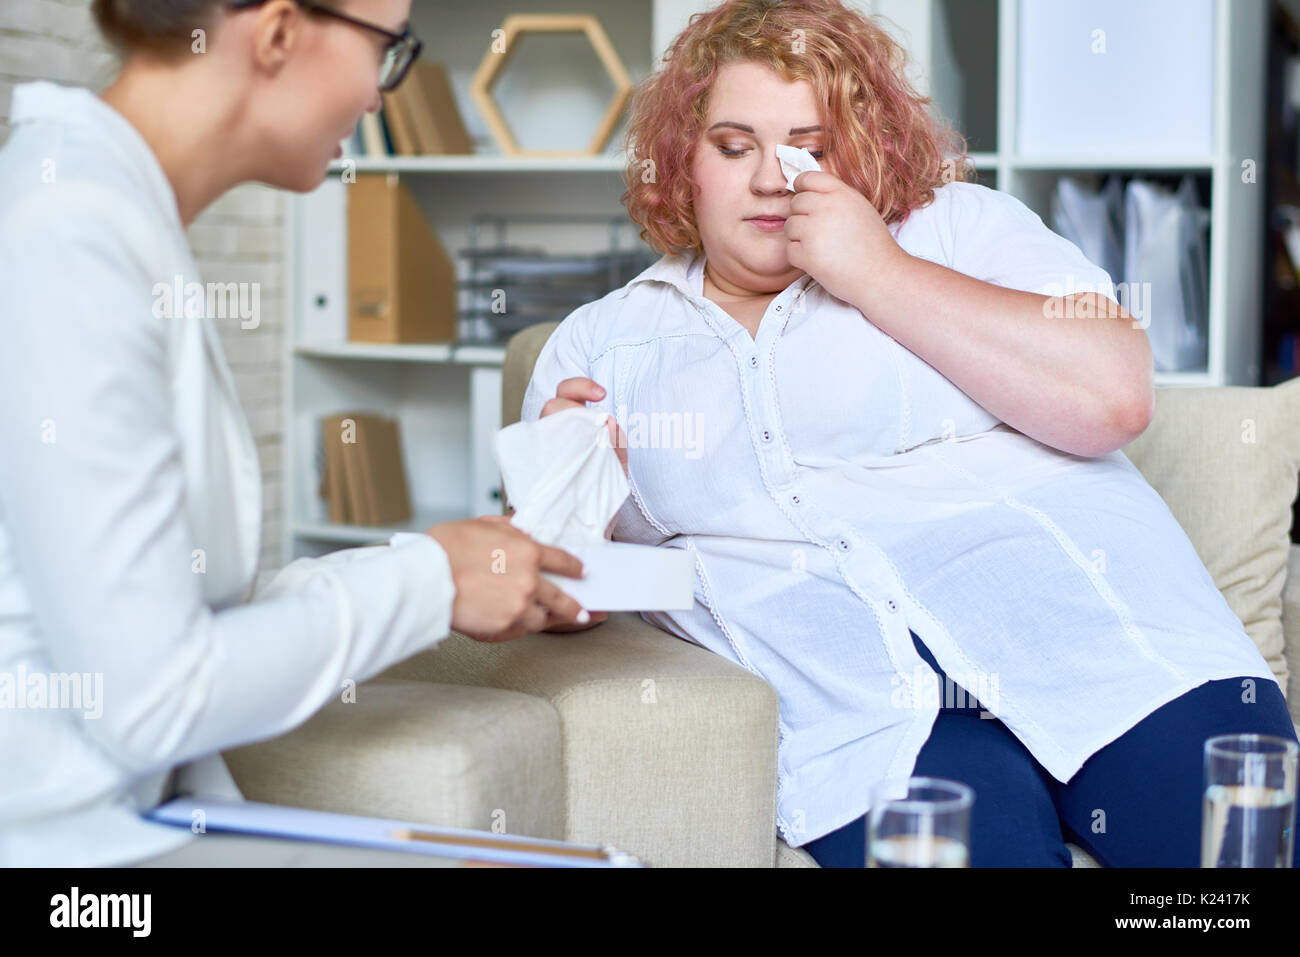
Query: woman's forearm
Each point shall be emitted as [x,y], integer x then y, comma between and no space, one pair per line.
[1073,372]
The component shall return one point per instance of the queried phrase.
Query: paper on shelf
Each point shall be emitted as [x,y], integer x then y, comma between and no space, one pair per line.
[795,161]
[1165,250]
[566,484]
[1093,221]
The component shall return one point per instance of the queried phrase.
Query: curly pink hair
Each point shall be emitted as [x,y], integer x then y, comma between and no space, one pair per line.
[888,146]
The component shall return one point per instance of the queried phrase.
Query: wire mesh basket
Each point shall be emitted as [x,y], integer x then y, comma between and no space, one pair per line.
[509,286]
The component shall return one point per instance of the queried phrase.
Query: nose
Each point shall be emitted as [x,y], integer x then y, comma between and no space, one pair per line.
[769,179]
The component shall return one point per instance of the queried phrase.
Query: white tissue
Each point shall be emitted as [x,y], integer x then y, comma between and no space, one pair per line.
[566,484]
[793,162]
[562,476]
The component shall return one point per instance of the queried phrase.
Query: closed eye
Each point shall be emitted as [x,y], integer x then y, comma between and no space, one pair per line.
[817,155]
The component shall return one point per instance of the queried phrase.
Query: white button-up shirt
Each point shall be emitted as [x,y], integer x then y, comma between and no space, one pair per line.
[130,517]
[838,491]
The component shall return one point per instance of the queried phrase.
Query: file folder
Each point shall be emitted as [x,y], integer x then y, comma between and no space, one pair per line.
[222,815]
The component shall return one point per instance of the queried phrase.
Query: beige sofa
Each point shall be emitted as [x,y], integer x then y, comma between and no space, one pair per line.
[624,734]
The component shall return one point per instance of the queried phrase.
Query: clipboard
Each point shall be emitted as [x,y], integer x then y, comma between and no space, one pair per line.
[222,815]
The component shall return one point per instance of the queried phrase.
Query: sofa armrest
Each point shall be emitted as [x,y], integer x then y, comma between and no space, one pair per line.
[1291,631]
[670,751]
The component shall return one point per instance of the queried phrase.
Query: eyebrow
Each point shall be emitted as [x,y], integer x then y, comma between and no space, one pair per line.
[794,130]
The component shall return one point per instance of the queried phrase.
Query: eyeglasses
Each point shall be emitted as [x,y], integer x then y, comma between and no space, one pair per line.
[399,53]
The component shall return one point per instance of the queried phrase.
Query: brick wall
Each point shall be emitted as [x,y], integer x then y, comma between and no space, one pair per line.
[237,239]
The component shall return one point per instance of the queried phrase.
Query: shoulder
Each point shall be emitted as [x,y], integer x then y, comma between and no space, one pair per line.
[993,236]
[970,206]
[651,306]
[63,191]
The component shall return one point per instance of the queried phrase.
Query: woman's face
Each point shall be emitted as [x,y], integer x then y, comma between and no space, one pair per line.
[751,110]
[328,83]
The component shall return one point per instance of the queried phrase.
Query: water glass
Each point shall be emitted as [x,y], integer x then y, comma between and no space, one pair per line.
[1248,814]
[928,827]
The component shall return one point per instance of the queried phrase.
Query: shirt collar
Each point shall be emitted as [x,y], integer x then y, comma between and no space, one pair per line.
[79,108]
[685,271]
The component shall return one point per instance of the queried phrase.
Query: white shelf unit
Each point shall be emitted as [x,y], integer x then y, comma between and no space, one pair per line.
[447,399]
[968,57]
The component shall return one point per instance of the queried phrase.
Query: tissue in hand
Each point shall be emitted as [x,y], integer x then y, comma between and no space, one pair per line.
[566,484]
[793,162]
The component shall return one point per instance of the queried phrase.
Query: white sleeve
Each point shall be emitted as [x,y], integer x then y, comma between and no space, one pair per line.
[92,495]
[566,354]
[994,237]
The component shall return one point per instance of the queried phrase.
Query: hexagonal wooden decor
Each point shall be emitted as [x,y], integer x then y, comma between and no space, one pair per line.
[515,26]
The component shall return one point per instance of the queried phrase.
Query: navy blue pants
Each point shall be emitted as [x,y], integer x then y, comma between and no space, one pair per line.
[1134,803]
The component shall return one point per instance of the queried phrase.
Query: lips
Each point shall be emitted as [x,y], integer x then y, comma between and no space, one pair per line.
[768,219]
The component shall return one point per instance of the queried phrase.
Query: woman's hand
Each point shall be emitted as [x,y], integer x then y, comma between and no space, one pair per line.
[500,592]
[575,393]
[836,236]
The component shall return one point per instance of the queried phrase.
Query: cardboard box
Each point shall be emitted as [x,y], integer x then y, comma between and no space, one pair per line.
[401,282]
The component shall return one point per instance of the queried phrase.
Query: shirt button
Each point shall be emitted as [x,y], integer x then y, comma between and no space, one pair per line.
[795,499]
[767,436]
[844,545]
[891,605]
[779,308]
[753,361]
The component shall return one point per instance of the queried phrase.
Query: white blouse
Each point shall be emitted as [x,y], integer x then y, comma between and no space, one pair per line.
[838,491]
[130,517]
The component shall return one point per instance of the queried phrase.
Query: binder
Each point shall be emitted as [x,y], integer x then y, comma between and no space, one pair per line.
[365,480]
[431,106]
[335,485]
[397,111]
[382,473]
[222,815]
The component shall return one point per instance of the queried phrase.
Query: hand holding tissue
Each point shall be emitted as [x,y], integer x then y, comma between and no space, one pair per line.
[795,161]
[566,484]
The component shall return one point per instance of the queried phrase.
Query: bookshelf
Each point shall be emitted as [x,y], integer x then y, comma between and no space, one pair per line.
[448,397]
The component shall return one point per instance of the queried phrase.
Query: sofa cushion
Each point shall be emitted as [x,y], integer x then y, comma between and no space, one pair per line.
[1291,630]
[670,751]
[446,755]
[1225,460]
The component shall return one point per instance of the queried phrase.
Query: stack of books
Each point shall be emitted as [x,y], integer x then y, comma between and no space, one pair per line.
[364,479]
[419,118]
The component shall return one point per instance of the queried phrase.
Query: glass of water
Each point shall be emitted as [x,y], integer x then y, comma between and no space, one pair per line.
[929,826]
[1248,815]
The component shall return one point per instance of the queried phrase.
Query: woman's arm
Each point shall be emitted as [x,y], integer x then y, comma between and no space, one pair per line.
[93,494]
[1074,372]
